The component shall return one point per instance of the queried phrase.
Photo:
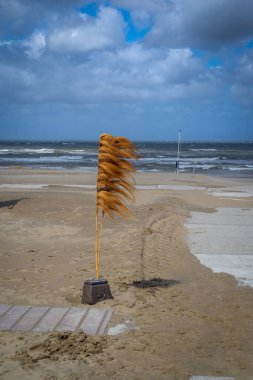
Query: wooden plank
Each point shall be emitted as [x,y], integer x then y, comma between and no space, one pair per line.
[92,321]
[210,378]
[30,319]
[72,319]
[45,319]
[12,316]
[4,308]
[105,322]
[50,320]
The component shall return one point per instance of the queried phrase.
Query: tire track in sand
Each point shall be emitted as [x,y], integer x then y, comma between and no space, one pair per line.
[159,239]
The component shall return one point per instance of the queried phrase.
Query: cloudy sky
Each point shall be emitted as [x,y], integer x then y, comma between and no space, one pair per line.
[145,69]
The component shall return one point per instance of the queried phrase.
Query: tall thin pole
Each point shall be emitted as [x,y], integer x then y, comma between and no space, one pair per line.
[97,245]
[99,242]
[178,150]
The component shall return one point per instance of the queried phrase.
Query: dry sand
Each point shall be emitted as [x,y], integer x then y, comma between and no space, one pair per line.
[201,324]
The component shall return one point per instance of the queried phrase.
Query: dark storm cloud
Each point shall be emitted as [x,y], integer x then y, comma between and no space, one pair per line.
[242,85]
[176,23]
[204,24]
[19,17]
[196,23]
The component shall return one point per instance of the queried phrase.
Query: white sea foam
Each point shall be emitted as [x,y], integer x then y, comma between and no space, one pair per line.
[46,151]
[34,160]
[186,160]
[148,170]
[203,150]
[238,168]
[73,151]
[197,166]
[26,151]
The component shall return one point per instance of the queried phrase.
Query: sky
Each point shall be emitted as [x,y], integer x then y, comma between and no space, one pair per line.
[70,69]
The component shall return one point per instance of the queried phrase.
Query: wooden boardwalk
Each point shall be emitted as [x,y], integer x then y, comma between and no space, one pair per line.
[41,319]
[210,378]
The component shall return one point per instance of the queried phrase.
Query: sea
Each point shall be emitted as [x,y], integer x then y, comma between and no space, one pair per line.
[233,159]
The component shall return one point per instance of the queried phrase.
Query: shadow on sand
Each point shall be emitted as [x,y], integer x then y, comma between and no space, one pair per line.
[155,283]
[11,203]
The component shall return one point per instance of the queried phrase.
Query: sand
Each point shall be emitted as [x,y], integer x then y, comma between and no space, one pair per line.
[195,323]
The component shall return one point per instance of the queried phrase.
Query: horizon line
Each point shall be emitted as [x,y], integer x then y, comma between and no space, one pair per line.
[135,140]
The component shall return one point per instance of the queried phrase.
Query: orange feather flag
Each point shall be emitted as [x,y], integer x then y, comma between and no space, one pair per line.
[115,182]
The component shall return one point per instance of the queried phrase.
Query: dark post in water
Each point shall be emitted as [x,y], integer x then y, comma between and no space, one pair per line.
[178,151]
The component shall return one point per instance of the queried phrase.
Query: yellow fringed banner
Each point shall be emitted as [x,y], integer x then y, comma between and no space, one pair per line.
[115,182]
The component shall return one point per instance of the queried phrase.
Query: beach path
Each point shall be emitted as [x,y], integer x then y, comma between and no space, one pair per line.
[223,241]
[23,318]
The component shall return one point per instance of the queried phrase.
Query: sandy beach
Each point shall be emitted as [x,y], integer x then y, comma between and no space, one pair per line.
[201,324]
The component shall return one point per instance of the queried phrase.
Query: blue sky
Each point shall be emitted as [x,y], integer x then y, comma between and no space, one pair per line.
[73,69]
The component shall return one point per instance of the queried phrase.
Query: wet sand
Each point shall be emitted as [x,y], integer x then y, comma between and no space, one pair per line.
[200,324]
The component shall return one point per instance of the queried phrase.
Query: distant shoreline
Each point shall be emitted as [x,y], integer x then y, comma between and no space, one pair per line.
[134,140]
[93,171]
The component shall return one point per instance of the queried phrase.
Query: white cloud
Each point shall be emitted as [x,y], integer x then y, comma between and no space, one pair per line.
[134,54]
[17,84]
[104,31]
[98,65]
[242,81]
[141,19]
[17,77]
[151,6]
[35,46]
[178,66]
[130,73]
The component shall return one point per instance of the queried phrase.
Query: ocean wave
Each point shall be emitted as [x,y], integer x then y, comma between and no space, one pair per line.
[155,160]
[26,151]
[203,149]
[74,152]
[42,159]
[23,151]
[198,166]
[226,159]
[231,168]
[185,160]
[148,170]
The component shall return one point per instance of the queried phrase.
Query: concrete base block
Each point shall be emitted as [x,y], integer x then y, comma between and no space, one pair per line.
[96,290]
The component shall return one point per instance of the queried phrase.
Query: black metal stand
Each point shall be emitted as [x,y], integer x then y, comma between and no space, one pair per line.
[96,290]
